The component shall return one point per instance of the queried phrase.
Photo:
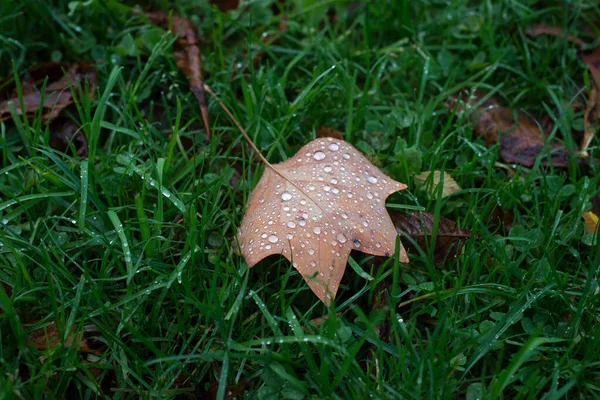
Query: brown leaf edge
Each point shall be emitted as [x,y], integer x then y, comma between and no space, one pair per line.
[419,226]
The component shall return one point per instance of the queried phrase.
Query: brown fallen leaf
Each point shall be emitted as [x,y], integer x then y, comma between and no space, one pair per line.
[316,207]
[543,29]
[64,133]
[329,132]
[431,183]
[588,129]
[419,226]
[57,94]
[48,337]
[226,5]
[187,56]
[520,141]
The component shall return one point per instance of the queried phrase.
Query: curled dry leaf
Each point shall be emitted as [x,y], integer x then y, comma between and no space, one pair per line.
[520,141]
[57,94]
[419,226]
[431,180]
[187,56]
[315,208]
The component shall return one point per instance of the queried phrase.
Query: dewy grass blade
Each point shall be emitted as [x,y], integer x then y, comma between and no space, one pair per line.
[114,218]
[83,194]
[27,197]
[99,113]
[127,161]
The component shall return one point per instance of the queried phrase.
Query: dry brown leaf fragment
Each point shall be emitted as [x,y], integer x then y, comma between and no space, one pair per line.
[432,179]
[64,133]
[543,29]
[187,56]
[48,336]
[57,94]
[419,226]
[316,207]
[520,141]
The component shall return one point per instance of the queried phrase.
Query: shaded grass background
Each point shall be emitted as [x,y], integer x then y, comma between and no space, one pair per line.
[514,315]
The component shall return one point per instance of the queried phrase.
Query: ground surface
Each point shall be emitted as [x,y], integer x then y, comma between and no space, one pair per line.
[167,307]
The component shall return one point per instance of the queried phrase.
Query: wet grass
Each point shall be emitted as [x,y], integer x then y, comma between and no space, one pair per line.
[136,241]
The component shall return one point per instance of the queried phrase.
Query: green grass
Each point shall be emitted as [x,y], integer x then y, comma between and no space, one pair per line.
[137,239]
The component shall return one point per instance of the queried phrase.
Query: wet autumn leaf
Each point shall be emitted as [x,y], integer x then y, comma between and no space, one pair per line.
[187,56]
[432,179]
[316,207]
[419,226]
[57,94]
[521,141]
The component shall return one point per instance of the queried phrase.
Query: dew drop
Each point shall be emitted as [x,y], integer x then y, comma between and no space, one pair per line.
[261,200]
[372,179]
[326,188]
[302,222]
[370,196]
[341,238]
[334,147]
[273,239]
[291,224]
[334,181]
[327,169]
[319,155]
[356,242]
[331,267]
[317,229]
[346,156]
[264,236]
[365,224]
[286,196]
[335,190]
[311,251]
[268,247]
[378,245]
[345,216]
[290,236]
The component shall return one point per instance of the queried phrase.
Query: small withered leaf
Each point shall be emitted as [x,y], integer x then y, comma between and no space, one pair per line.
[419,226]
